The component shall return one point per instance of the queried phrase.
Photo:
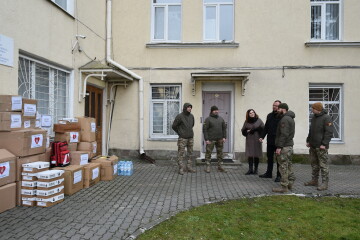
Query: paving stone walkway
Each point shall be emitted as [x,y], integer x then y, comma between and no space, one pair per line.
[123,208]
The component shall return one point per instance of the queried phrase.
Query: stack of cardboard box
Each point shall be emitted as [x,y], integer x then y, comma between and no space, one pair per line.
[7,180]
[29,174]
[19,135]
[50,188]
[88,136]
[73,178]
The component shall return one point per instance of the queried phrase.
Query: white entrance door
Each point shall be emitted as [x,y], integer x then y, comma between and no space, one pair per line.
[223,101]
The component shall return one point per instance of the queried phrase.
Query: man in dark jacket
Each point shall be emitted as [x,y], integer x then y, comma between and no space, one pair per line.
[183,126]
[284,147]
[272,121]
[214,129]
[320,134]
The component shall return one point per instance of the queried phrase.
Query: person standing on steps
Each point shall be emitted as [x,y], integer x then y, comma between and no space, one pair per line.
[214,130]
[252,130]
[320,134]
[284,142]
[271,123]
[183,126]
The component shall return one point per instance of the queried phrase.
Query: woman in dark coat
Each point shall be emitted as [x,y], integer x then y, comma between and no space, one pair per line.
[253,126]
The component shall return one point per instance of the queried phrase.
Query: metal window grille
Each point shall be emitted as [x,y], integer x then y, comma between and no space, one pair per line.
[50,86]
[331,98]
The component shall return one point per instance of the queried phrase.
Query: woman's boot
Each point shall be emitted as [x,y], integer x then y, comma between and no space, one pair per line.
[256,166]
[251,164]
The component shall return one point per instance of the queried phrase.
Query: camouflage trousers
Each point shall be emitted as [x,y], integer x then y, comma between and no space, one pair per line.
[182,144]
[219,152]
[285,166]
[319,161]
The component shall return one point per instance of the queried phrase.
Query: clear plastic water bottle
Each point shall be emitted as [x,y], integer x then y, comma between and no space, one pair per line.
[131,168]
[127,168]
[122,168]
[119,168]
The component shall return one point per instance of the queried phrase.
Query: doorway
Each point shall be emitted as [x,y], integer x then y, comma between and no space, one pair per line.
[93,108]
[222,100]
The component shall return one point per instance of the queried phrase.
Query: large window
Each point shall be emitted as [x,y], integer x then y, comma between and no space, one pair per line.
[166,20]
[165,105]
[47,84]
[218,20]
[67,5]
[325,20]
[331,97]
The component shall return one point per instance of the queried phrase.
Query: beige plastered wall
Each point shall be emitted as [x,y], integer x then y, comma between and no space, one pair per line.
[48,33]
[271,34]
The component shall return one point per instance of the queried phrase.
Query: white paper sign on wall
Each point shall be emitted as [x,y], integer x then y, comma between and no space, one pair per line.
[6,51]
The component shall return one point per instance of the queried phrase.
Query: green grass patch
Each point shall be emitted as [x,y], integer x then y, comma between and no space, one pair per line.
[274,217]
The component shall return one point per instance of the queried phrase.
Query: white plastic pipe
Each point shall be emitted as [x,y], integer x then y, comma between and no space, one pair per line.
[134,75]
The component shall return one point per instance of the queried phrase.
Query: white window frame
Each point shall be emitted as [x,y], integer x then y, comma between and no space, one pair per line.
[70,6]
[323,20]
[166,18]
[217,5]
[324,102]
[52,69]
[162,101]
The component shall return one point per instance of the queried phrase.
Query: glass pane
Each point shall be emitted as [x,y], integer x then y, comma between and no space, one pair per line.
[172,111]
[24,79]
[60,94]
[62,3]
[332,21]
[172,92]
[159,23]
[174,23]
[87,104]
[158,92]
[166,1]
[315,22]
[210,23]
[226,22]
[158,118]
[42,88]
[218,1]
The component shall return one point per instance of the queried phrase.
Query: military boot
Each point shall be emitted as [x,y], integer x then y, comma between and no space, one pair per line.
[190,169]
[323,186]
[313,182]
[181,171]
[207,169]
[281,189]
[221,169]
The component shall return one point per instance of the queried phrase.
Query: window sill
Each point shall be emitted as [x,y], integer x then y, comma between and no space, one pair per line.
[332,44]
[163,139]
[193,45]
[337,142]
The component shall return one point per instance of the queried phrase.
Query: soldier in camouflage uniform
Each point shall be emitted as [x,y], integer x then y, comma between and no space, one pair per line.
[284,147]
[183,126]
[320,134]
[214,130]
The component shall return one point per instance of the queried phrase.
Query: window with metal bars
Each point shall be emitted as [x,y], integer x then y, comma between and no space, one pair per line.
[47,84]
[331,98]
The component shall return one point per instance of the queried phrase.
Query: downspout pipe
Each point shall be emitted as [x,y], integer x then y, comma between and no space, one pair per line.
[109,60]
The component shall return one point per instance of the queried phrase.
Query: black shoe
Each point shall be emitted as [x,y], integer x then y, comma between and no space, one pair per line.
[255,172]
[265,175]
[249,172]
[277,179]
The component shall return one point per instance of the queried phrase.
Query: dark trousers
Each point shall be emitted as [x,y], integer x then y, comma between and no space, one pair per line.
[270,151]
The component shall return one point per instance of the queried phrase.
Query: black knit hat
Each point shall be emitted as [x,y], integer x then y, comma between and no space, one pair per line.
[283,106]
[213,108]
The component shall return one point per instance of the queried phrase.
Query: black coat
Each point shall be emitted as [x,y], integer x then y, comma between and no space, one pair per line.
[271,124]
